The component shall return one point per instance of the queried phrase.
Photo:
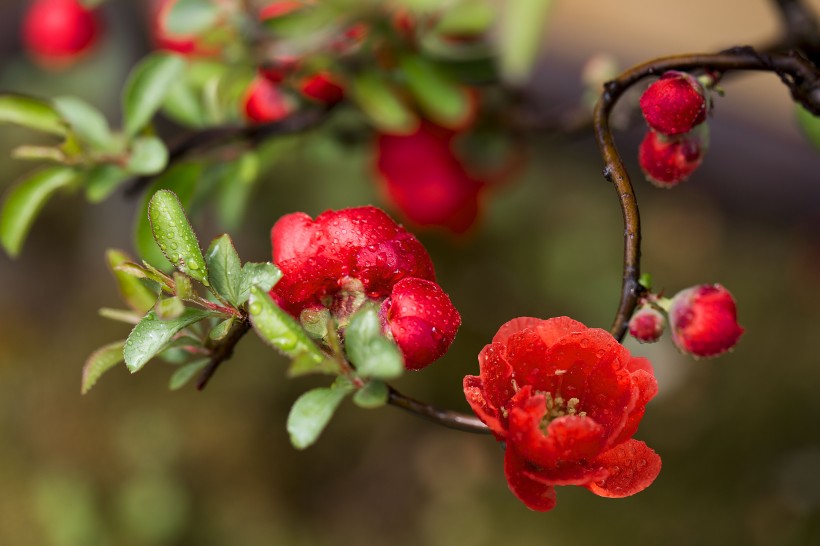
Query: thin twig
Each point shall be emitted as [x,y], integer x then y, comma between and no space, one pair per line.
[446,418]
[223,350]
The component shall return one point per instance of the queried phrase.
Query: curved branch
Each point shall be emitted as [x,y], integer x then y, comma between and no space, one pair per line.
[447,418]
[223,350]
[795,71]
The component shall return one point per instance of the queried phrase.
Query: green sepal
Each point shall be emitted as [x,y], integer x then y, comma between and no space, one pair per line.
[25,200]
[99,362]
[278,329]
[134,291]
[151,336]
[373,354]
[175,236]
[31,113]
[373,395]
[146,88]
[185,373]
[312,412]
[225,269]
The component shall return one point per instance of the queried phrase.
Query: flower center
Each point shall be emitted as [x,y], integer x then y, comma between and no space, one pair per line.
[558,407]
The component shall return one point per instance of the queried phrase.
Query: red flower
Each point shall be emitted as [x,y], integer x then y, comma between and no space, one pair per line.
[669,161]
[264,102]
[426,180]
[421,319]
[674,104]
[316,256]
[57,31]
[704,320]
[323,88]
[566,400]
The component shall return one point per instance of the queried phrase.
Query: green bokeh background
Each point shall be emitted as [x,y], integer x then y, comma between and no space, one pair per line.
[132,463]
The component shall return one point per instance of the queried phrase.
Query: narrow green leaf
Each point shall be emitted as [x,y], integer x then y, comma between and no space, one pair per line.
[441,98]
[100,361]
[373,354]
[102,180]
[188,17]
[169,308]
[382,104]
[225,269]
[306,365]
[31,113]
[221,330]
[120,315]
[148,156]
[39,153]
[151,335]
[311,413]
[264,275]
[522,23]
[134,291]
[235,187]
[175,236]
[278,329]
[185,373]
[182,178]
[810,124]
[373,395]
[146,88]
[183,104]
[25,200]
[88,123]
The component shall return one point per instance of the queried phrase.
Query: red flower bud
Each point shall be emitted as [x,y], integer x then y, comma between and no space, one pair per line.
[264,102]
[669,161]
[674,104]
[426,180]
[323,88]
[703,320]
[279,9]
[421,319]
[647,324]
[57,31]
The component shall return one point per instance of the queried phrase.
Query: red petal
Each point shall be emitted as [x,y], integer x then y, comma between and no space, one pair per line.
[379,266]
[294,236]
[553,329]
[488,414]
[647,387]
[632,467]
[526,355]
[515,325]
[536,495]
[496,375]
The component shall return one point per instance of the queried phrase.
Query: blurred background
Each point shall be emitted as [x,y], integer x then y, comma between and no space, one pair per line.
[134,464]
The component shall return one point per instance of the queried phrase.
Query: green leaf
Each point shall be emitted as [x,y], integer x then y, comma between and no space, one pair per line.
[278,329]
[225,269]
[88,123]
[25,200]
[146,88]
[221,330]
[100,361]
[31,113]
[188,17]
[175,236]
[148,156]
[306,364]
[373,354]
[311,413]
[169,308]
[235,186]
[520,37]
[102,180]
[373,395]
[183,104]
[264,275]
[120,315]
[134,291]
[182,286]
[303,21]
[185,373]
[442,99]
[182,178]
[382,104]
[151,335]
[466,18]
[810,124]
[40,153]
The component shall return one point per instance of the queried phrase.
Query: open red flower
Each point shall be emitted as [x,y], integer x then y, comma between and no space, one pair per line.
[566,400]
[425,179]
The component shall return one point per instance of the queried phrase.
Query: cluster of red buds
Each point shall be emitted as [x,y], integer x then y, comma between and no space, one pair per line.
[702,320]
[675,107]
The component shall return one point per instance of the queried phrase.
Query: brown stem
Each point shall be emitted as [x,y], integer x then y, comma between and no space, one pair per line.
[223,350]
[796,72]
[446,418]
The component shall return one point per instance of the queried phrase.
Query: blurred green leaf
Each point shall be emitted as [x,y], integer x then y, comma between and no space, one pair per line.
[466,18]
[25,200]
[31,113]
[182,178]
[373,395]
[382,104]
[169,308]
[278,329]
[183,104]
[302,21]
[520,37]
[182,286]
[225,269]
[221,330]
[236,184]
[311,413]
[373,354]
[185,373]
[175,236]
[188,17]
[151,335]
[133,291]
[88,123]
[120,315]
[264,275]
[100,361]
[810,124]
[102,180]
[39,153]
[146,88]
[148,156]
[306,365]
[441,98]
